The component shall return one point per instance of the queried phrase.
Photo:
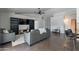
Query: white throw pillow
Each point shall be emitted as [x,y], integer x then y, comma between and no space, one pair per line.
[42,30]
[32,30]
[5,31]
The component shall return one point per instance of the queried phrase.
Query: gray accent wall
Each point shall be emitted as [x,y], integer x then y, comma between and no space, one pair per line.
[5,20]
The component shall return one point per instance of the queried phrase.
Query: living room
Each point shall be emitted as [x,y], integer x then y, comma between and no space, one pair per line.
[35,28]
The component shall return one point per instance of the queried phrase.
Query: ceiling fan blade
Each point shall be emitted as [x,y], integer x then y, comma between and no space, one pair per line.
[40,12]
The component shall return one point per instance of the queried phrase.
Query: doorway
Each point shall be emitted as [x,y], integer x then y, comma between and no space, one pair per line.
[73,25]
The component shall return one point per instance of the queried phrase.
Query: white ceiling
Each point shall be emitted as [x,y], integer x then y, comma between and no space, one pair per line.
[57,10]
[22,10]
[32,10]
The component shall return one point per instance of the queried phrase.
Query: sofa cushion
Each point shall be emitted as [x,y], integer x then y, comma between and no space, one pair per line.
[42,30]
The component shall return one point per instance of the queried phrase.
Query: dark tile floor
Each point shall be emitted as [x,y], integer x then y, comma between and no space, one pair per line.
[55,43]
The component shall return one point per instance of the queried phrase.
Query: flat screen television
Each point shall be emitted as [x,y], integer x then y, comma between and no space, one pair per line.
[23,27]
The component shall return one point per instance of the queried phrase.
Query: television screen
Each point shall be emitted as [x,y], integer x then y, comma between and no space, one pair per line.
[23,27]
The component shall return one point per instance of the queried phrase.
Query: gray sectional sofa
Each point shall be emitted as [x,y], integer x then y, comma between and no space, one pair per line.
[35,36]
[6,37]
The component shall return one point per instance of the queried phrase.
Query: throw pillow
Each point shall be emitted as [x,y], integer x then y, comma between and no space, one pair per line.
[5,31]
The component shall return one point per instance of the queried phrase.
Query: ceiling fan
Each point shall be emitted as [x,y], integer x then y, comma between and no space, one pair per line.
[40,12]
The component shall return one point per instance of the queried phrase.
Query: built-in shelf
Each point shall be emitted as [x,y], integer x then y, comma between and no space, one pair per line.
[15,22]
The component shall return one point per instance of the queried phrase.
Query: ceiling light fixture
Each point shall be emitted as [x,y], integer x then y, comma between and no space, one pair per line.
[40,12]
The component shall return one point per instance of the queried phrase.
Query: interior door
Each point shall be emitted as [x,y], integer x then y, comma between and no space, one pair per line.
[77,27]
[73,25]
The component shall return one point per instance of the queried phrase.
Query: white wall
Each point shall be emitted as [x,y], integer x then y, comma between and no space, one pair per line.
[77,15]
[78,20]
[36,25]
[58,20]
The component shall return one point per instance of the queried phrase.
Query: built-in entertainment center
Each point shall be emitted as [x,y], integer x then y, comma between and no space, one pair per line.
[17,24]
